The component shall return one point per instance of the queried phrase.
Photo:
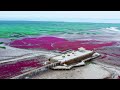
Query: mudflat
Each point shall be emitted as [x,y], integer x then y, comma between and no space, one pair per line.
[91,71]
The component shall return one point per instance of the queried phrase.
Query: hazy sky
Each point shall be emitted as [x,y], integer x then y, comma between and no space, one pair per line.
[79,16]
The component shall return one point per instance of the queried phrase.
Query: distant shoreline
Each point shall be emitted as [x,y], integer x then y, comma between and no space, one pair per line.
[57,21]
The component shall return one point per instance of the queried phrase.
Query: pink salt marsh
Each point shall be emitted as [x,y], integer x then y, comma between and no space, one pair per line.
[17,68]
[42,42]
[54,43]
[74,45]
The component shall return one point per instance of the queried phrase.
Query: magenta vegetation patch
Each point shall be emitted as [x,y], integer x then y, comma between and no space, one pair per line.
[54,43]
[74,45]
[11,70]
[32,43]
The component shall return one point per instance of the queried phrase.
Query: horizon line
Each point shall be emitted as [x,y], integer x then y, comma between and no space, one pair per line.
[60,21]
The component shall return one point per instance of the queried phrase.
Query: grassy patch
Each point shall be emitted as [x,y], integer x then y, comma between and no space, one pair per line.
[1,42]
[3,47]
[88,62]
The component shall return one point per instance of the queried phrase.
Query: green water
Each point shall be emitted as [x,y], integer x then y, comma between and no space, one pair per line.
[9,29]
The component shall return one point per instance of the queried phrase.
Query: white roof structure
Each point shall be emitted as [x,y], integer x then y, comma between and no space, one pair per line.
[72,55]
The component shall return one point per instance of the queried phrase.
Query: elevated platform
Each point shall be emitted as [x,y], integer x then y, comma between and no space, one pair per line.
[75,56]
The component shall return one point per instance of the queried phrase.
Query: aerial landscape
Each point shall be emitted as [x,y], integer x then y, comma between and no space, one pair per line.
[30,40]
